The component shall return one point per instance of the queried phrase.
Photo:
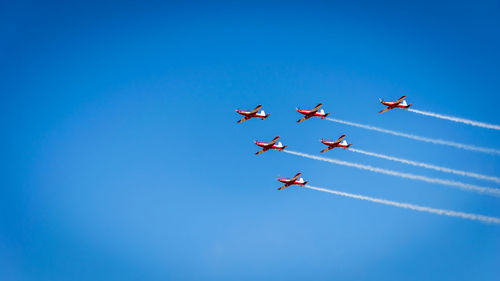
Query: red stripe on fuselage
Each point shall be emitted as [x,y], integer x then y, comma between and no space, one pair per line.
[289,181]
[308,112]
[248,113]
[265,145]
[393,105]
[332,143]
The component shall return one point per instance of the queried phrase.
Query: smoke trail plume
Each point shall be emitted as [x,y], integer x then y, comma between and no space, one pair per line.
[456,119]
[465,186]
[449,213]
[419,138]
[429,166]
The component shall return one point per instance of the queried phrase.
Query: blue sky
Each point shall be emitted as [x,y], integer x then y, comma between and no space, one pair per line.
[122,159]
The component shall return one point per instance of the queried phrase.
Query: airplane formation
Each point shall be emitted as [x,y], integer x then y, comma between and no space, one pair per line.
[315,112]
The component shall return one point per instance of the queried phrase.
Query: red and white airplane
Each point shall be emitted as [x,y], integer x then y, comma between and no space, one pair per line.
[340,142]
[293,181]
[401,103]
[252,114]
[270,145]
[311,113]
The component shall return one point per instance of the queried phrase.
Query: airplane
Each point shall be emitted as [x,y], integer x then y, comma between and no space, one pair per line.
[295,180]
[314,112]
[252,114]
[401,103]
[271,145]
[340,142]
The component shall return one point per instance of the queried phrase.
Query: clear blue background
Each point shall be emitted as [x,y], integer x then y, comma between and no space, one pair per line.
[122,159]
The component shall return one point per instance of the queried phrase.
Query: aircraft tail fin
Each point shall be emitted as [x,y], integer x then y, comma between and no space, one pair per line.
[326,115]
[283,147]
[306,182]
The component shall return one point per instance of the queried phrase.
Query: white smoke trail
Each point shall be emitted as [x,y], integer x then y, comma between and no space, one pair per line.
[456,119]
[449,213]
[465,186]
[419,138]
[429,166]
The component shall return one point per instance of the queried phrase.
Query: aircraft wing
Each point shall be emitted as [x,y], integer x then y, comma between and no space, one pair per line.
[385,109]
[340,139]
[304,118]
[262,151]
[400,99]
[316,108]
[244,119]
[296,177]
[284,186]
[326,149]
[274,141]
[256,109]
